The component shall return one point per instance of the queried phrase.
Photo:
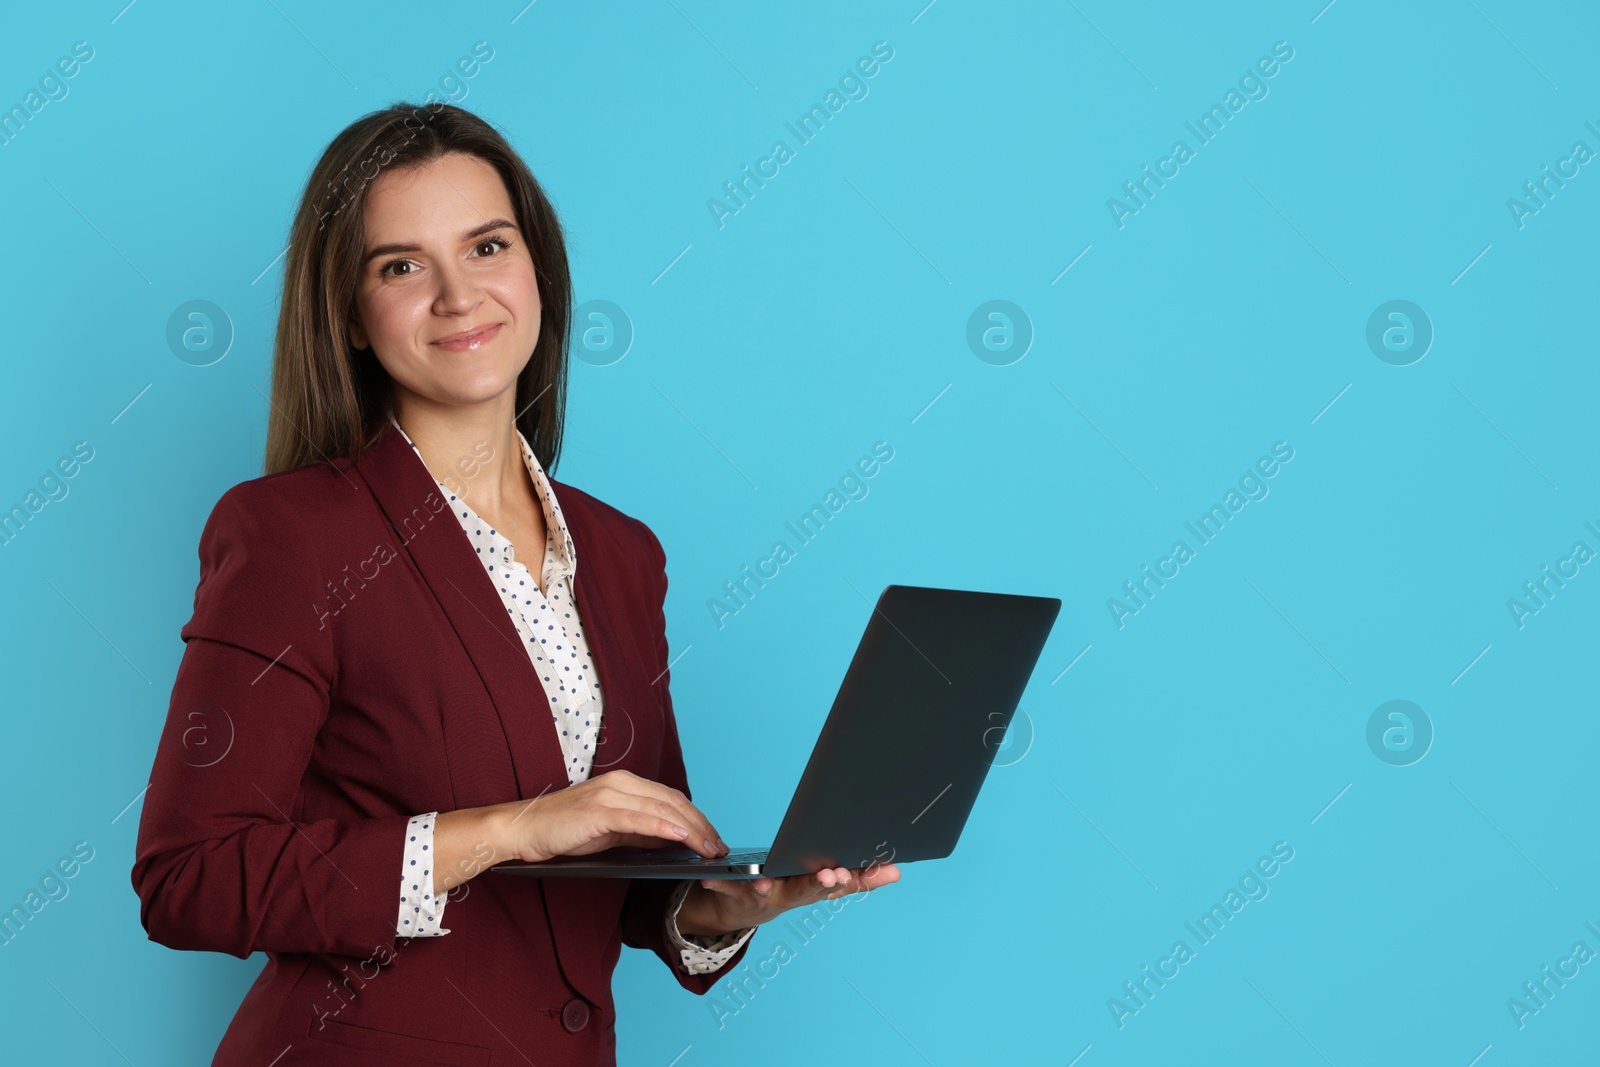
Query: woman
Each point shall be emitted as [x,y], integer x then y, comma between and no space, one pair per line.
[386,689]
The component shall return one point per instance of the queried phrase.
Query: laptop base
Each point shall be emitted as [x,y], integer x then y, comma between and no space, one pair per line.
[683,863]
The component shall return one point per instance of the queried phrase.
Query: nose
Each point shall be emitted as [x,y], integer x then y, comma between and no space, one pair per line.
[458,292]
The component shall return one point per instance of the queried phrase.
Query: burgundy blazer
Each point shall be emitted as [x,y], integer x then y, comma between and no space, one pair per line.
[349,664]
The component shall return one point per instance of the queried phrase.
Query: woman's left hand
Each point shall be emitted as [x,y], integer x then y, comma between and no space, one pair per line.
[735,904]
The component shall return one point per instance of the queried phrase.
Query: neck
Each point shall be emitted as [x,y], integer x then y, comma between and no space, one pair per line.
[472,451]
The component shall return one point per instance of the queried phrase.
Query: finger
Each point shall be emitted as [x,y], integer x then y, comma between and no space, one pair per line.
[703,837]
[834,877]
[605,840]
[640,840]
[650,803]
[649,825]
[696,819]
[879,875]
[841,882]
[844,880]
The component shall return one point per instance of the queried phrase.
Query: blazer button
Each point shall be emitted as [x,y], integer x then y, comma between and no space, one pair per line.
[574,1016]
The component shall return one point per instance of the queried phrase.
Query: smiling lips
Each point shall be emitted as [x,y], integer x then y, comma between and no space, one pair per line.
[464,342]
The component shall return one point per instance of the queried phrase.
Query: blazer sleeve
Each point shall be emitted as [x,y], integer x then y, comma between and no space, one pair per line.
[644,911]
[225,860]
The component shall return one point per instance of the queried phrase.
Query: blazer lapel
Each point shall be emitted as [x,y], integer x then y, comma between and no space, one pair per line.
[433,537]
[430,533]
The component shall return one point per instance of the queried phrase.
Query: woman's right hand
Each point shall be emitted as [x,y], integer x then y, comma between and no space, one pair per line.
[610,810]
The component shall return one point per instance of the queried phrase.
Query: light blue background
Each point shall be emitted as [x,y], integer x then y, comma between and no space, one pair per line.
[830,313]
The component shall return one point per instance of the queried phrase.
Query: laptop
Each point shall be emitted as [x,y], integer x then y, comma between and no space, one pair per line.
[917,721]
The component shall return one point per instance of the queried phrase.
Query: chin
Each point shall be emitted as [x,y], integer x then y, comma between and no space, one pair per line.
[479,391]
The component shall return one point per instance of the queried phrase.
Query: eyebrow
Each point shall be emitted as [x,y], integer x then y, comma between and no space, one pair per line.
[479,231]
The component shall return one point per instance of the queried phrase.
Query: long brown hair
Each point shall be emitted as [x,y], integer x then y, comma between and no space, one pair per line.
[331,400]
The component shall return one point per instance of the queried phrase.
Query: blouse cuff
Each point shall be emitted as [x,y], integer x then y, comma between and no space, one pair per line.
[700,953]
[420,910]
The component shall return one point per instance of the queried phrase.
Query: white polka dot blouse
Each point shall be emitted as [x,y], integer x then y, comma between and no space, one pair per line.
[552,635]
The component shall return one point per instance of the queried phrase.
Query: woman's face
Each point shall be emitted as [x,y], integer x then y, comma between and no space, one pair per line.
[443,257]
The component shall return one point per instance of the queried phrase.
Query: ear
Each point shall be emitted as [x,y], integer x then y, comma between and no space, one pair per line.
[358,336]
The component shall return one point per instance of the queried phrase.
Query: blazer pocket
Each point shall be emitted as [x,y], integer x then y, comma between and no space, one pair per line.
[386,1042]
